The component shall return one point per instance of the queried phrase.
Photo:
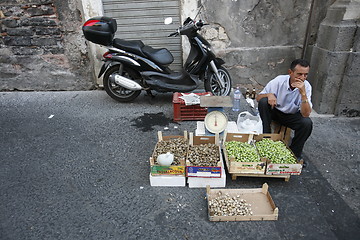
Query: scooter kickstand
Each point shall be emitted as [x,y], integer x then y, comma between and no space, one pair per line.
[149,93]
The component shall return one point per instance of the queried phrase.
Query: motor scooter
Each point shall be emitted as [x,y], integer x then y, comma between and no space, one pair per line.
[130,66]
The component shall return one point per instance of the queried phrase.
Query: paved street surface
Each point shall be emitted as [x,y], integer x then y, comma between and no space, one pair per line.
[75,165]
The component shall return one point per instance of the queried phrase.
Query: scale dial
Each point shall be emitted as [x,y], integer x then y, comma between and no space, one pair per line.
[216,121]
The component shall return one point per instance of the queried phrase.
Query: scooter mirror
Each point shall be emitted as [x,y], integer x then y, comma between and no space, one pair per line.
[168,21]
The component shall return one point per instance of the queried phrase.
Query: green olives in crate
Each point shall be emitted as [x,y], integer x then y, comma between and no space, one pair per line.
[242,151]
[275,151]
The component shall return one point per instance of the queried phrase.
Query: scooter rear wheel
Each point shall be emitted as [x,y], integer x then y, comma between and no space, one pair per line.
[212,85]
[116,91]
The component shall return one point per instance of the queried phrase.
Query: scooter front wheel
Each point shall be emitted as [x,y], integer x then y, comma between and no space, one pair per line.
[212,85]
[116,91]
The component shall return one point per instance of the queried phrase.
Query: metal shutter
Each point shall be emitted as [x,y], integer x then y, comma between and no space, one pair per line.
[144,20]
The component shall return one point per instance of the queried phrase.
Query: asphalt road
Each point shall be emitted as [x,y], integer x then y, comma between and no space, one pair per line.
[74,165]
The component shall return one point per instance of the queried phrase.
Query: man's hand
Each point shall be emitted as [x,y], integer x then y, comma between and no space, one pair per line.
[305,108]
[271,100]
[300,85]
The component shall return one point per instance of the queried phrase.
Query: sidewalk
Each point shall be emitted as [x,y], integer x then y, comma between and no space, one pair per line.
[75,165]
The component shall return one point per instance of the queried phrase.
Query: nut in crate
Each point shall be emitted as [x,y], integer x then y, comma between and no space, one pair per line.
[176,146]
[204,155]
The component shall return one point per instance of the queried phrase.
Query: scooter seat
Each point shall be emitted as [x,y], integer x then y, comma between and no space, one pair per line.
[161,56]
[133,46]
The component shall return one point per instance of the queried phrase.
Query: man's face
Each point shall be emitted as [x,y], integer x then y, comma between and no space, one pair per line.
[300,73]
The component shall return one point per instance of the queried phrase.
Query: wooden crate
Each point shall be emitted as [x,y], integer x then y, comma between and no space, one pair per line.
[204,171]
[262,204]
[278,169]
[156,170]
[285,132]
[235,173]
[235,167]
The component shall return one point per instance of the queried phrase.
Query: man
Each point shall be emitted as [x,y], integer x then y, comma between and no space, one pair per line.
[287,100]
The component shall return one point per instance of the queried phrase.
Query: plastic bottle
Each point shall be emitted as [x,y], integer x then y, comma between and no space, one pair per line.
[236,103]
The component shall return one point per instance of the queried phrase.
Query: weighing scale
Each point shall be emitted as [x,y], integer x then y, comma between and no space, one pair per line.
[215,120]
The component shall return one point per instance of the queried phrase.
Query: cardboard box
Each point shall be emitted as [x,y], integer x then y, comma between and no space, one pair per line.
[167,181]
[204,171]
[262,205]
[156,170]
[202,182]
[279,168]
[242,167]
[200,128]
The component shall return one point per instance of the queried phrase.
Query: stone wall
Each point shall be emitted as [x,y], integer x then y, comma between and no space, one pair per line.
[42,47]
[262,37]
[336,79]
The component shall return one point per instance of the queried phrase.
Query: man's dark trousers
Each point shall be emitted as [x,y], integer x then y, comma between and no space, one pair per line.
[301,125]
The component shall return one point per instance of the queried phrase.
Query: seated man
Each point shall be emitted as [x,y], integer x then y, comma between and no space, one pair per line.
[287,100]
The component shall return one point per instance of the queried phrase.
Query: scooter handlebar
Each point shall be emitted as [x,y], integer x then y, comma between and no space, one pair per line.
[174,34]
[189,24]
[199,24]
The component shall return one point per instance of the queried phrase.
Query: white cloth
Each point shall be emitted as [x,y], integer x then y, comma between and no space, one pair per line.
[288,101]
[191,98]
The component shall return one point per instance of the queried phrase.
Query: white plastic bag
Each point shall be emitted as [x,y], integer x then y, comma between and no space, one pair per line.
[249,124]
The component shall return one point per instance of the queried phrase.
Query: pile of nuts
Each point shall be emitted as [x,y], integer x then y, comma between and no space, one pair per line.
[204,155]
[225,205]
[176,146]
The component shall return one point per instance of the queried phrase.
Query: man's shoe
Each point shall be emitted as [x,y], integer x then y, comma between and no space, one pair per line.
[302,161]
[304,164]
